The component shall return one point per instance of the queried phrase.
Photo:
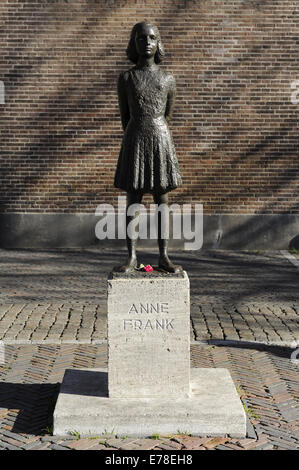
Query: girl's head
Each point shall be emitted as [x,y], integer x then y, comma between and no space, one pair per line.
[145,41]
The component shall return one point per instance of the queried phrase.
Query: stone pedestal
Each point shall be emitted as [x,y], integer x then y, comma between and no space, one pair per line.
[149,388]
[148,336]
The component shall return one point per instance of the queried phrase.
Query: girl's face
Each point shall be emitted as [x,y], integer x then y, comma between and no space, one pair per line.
[146,41]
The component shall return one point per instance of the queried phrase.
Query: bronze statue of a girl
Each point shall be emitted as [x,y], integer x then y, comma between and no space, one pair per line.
[147,161]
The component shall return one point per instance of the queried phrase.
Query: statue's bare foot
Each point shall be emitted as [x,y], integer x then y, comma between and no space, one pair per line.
[128,267]
[167,265]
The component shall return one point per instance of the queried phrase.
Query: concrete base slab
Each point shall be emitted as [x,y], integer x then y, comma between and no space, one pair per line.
[213,408]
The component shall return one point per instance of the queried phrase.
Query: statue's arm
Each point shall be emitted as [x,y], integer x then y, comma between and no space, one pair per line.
[170,99]
[123,101]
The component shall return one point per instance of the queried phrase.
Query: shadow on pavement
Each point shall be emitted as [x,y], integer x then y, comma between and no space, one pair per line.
[33,403]
[279,351]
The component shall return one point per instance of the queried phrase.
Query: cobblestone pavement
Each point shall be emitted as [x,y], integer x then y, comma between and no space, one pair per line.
[60,296]
[265,377]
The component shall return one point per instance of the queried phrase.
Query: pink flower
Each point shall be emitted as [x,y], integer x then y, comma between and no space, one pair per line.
[148,268]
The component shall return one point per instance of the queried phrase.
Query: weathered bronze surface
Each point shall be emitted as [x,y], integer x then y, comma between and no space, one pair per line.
[147,161]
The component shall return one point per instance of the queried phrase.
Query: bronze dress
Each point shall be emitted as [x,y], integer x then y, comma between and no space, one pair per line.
[147,160]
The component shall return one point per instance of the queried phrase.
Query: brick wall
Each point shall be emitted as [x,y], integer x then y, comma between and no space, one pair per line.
[234,126]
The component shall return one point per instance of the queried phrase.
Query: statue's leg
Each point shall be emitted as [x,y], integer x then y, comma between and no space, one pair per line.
[131,264]
[164,261]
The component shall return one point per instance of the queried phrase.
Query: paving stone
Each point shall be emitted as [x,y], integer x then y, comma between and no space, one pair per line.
[8,446]
[14,442]
[250,430]
[285,445]
[266,446]
[51,439]
[41,446]
[247,443]
[212,443]
[191,442]
[58,447]
[99,447]
[280,433]
[119,443]
[140,444]
[16,437]
[233,446]
[83,444]
[168,444]
[34,445]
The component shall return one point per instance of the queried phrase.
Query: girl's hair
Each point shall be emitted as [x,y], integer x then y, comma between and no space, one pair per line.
[131,49]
